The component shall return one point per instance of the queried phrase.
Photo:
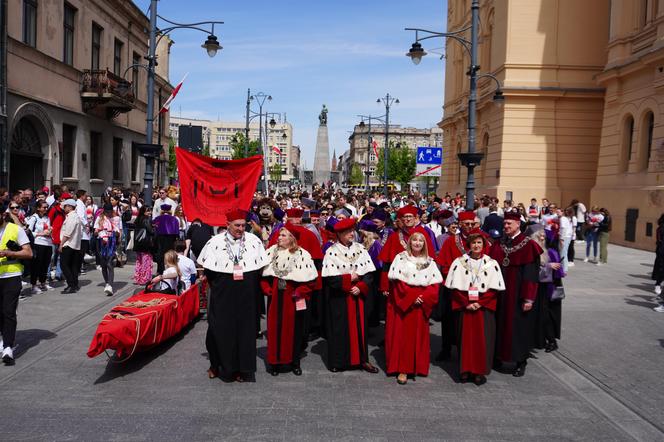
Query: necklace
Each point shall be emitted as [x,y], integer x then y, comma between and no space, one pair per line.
[420,264]
[344,256]
[235,258]
[402,240]
[286,268]
[459,244]
[509,250]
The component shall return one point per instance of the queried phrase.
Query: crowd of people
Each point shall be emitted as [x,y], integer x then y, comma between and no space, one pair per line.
[331,265]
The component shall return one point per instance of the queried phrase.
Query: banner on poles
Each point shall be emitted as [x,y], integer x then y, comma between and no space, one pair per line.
[209,188]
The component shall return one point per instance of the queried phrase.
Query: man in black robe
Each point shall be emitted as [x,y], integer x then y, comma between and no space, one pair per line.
[233,261]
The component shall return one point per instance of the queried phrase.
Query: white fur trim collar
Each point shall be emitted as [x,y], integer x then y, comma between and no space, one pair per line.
[215,257]
[341,260]
[297,266]
[413,271]
[484,273]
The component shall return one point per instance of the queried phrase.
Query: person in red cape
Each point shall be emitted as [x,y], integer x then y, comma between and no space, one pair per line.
[415,279]
[453,247]
[347,275]
[518,257]
[288,280]
[309,242]
[474,279]
[233,261]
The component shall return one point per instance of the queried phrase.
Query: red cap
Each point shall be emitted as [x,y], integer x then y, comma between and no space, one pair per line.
[294,213]
[407,210]
[344,224]
[296,231]
[45,189]
[512,215]
[468,215]
[235,215]
[66,196]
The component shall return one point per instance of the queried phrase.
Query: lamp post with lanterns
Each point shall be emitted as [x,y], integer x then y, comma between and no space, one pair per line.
[470,159]
[150,150]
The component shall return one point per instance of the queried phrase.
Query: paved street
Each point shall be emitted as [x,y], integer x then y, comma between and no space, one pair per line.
[604,383]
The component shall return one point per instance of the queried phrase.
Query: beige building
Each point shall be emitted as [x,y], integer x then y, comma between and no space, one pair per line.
[360,150]
[219,135]
[72,117]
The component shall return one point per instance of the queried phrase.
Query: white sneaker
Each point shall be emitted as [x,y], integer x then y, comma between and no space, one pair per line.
[659,308]
[8,356]
[571,264]
[99,268]
[24,284]
[52,275]
[598,263]
[45,287]
[35,290]
[108,290]
[585,260]
[658,289]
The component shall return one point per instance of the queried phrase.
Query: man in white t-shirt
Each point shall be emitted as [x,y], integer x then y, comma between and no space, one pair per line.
[187,266]
[163,199]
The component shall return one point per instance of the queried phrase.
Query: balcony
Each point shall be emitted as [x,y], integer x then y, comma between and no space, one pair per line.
[103,91]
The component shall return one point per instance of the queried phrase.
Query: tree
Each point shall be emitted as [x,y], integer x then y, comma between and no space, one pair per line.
[275,172]
[401,164]
[206,150]
[172,164]
[238,144]
[356,175]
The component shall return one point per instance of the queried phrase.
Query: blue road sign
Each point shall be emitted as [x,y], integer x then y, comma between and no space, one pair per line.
[430,155]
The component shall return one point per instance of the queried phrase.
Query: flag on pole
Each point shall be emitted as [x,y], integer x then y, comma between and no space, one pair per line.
[168,102]
[374,144]
[276,149]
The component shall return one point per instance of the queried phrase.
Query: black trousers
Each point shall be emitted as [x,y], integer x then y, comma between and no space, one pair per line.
[40,261]
[85,247]
[70,261]
[10,288]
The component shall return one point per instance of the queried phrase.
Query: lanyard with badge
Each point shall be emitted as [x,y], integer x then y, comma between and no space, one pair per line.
[238,274]
[473,291]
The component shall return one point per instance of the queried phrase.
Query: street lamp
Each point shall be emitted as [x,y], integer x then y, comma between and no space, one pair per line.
[470,159]
[367,172]
[150,150]
[259,98]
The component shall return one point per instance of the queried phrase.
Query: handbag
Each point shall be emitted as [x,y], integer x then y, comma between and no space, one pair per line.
[558,293]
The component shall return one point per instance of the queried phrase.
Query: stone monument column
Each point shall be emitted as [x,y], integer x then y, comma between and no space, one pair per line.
[322,157]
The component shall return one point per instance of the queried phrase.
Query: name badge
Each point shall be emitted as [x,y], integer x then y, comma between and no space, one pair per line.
[300,304]
[238,274]
[473,294]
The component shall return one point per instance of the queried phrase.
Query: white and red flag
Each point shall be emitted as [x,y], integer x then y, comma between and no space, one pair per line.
[374,145]
[276,149]
[168,102]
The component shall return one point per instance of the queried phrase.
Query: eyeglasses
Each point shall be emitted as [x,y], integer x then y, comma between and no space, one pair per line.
[14,207]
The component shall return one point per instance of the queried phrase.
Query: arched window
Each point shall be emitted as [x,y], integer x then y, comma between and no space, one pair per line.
[626,145]
[647,127]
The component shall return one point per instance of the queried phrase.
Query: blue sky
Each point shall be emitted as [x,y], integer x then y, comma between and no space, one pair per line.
[343,53]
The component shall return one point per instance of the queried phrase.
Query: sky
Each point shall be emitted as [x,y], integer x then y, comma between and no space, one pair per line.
[342,53]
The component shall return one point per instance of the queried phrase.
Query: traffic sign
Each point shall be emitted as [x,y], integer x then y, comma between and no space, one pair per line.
[429,161]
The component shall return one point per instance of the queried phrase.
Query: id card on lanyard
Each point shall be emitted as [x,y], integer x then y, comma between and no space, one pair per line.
[238,273]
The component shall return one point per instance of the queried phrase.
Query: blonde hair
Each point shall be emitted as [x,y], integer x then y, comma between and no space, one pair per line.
[368,238]
[171,260]
[425,249]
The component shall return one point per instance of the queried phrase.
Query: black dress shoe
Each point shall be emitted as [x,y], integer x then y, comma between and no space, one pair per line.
[479,380]
[334,370]
[297,371]
[369,368]
[273,371]
[464,378]
[67,290]
[520,369]
[313,336]
[551,346]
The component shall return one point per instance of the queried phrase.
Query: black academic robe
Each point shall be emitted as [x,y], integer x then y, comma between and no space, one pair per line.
[231,335]
[345,321]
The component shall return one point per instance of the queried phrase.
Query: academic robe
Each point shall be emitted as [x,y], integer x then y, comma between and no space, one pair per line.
[476,329]
[345,321]
[231,334]
[285,323]
[407,337]
[375,304]
[521,275]
[167,230]
[547,314]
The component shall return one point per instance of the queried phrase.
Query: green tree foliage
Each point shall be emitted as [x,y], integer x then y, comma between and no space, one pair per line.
[206,151]
[401,164]
[275,172]
[237,147]
[356,175]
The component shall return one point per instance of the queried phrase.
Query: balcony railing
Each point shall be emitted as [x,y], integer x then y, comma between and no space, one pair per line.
[102,89]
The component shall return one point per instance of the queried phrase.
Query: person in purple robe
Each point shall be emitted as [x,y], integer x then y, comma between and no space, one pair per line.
[167,230]
[329,236]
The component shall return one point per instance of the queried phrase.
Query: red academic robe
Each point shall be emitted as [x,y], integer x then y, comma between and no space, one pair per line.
[514,327]
[452,249]
[477,332]
[393,247]
[285,325]
[407,335]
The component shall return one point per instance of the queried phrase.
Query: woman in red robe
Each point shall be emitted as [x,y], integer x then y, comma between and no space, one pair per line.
[415,281]
[288,280]
[474,279]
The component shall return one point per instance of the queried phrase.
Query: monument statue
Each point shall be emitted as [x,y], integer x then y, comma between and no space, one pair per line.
[322,156]
[322,118]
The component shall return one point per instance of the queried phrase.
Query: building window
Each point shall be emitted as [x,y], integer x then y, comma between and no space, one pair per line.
[68,150]
[95,155]
[68,43]
[135,62]
[648,125]
[96,46]
[134,163]
[117,159]
[30,22]
[117,57]
[627,139]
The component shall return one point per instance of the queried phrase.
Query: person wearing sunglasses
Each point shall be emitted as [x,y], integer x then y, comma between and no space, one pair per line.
[162,200]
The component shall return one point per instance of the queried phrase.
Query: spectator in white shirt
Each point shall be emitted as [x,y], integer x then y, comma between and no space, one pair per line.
[187,266]
[163,199]
[70,246]
[40,226]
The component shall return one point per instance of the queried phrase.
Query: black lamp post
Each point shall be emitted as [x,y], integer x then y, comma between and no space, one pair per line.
[470,159]
[260,98]
[150,150]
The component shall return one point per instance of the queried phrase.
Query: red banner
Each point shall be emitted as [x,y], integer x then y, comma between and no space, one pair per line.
[209,188]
